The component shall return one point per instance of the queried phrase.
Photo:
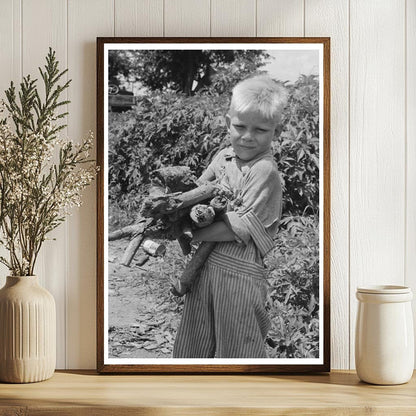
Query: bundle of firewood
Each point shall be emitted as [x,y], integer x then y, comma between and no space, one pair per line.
[174,206]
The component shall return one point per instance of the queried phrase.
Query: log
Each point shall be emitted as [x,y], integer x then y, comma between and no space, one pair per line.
[142,259]
[194,196]
[160,206]
[132,249]
[125,231]
[138,235]
[197,262]
[176,178]
[168,204]
[148,230]
[185,244]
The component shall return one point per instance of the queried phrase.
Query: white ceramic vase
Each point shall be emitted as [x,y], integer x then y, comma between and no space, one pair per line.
[384,343]
[27,331]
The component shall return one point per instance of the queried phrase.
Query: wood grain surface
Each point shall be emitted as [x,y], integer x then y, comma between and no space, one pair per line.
[85,393]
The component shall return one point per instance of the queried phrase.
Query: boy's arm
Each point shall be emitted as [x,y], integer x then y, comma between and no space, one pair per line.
[217,231]
[210,172]
[258,215]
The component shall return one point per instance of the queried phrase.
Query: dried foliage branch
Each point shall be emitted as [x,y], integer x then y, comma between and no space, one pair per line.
[36,193]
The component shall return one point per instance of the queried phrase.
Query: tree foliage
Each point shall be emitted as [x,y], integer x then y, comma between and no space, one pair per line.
[187,71]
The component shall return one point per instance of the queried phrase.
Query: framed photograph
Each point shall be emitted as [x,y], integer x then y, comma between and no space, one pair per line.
[213,222]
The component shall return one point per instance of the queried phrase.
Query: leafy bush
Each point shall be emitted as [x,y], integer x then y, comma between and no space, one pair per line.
[297,150]
[167,128]
[293,274]
[164,129]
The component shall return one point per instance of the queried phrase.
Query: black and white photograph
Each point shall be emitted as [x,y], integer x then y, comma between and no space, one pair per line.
[213,217]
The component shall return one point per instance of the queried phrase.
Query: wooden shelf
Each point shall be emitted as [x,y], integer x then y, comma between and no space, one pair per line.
[86,393]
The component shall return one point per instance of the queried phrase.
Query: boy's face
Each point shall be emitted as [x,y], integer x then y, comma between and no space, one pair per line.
[250,133]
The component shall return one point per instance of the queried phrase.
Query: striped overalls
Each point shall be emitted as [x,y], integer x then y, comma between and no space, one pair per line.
[224,314]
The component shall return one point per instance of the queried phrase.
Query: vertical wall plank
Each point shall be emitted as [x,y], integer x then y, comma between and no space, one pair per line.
[6,45]
[411,151]
[44,26]
[377,162]
[331,18]
[187,18]
[10,44]
[138,17]
[11,66]
[280,18]
[86,21]
[233,18]
[6,75]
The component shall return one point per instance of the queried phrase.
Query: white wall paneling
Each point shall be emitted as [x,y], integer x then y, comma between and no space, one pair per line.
[377,146]
[233,18]
[44,25]
[10,63]
[10,44]
[410,230]
[138,17]
[86,20]
[280,18]
[373,132]
[187,18]
[330,18]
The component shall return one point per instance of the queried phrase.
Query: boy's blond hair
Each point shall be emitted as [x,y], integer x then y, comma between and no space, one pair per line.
[259,93]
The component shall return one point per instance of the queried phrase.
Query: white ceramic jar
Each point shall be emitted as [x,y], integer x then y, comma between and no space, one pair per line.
[384,343]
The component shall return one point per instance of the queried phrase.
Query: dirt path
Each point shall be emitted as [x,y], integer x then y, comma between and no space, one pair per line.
[143,315]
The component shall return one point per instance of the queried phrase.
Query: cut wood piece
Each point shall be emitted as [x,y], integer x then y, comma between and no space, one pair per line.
[158,206]
[194,196]
[142,259]
[197,262]
[127,231]
[156,190]
[132,249]
[184,242]
[176,178]
[140,232]
[170,203]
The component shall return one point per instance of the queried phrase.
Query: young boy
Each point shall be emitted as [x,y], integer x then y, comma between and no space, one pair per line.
[224,314]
